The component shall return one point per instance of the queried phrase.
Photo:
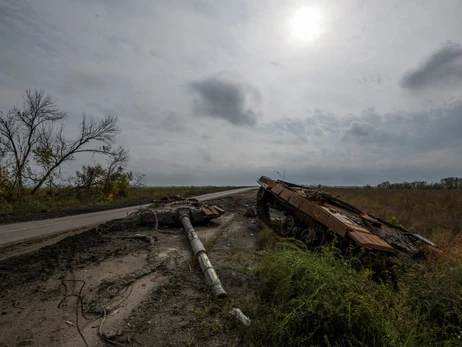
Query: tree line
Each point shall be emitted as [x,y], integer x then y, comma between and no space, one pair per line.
[34,146]
[444,183]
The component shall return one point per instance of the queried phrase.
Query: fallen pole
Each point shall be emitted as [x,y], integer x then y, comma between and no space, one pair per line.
[199,251]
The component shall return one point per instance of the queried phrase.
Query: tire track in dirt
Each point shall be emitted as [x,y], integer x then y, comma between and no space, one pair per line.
[169,304]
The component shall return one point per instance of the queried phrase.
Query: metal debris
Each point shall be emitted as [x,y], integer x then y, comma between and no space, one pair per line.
[311,215]
[250,213]
[186,212]
[237,313]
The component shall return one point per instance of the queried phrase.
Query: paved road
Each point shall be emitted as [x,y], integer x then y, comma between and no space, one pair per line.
[21,231]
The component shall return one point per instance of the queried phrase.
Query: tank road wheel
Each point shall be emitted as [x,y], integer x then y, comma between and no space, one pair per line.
[315,236]
[287,226]
[261,194]
[263,214]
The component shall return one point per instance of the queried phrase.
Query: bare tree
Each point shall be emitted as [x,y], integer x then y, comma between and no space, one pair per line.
[138,180]
[2,156]
[58,149]
[37,133]
[20,130]
[117,160]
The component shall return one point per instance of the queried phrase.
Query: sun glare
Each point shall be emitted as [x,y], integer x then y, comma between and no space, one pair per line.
[306,24]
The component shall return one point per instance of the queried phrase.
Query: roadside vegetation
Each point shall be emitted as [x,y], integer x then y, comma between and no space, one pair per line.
[323,299]
[34,147]
[306,298]
[69,198]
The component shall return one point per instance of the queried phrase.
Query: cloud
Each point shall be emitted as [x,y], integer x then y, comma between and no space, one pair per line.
[359,128]
[172,122]
[83,78]
[410,134]
[128,72]
[371,79]
[227,98]
[442,67]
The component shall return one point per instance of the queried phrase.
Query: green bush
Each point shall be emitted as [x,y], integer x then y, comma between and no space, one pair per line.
[31,205]
[309,298]
[5,207]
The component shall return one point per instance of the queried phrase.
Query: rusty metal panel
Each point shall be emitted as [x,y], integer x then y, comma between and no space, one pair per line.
[335,213]
[320,215]
[337,226]
[277,189]
[295,200]
[207,211]
[306,207]
[268,181]
[366,230]
[285,194]
[357,227]
[371,241]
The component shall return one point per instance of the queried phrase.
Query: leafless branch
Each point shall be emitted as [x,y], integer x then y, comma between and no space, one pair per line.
[35,135]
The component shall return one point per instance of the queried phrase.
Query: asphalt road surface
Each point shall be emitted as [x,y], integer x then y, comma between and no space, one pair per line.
[22,231]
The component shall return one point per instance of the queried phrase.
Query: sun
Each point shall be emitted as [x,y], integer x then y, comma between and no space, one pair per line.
[306,24]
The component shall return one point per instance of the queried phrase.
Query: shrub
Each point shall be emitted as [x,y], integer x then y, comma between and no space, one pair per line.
[309,298]
[5,207]
[319,298]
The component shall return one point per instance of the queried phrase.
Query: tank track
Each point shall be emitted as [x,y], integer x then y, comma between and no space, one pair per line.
[263,214]
[315,234]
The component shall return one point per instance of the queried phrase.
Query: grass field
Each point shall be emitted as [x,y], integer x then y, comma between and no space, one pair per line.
[436,214]
[324,299]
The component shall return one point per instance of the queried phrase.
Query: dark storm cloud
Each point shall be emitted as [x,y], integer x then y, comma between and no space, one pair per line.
[359,128]
[443,66]
[231,100]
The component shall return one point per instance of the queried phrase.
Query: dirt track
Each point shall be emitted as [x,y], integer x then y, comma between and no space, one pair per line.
[152,296]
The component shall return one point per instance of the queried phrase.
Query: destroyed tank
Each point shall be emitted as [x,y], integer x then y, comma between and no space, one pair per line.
[167,211]
[316,217]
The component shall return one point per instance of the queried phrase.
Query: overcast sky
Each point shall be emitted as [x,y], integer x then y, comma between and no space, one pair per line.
[223,91]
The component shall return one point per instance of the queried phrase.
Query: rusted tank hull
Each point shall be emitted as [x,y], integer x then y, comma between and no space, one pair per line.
[311,215]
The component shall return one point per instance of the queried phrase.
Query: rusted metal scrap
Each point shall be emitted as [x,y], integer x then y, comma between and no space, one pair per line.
[186,212]
[315,217]
[165,211]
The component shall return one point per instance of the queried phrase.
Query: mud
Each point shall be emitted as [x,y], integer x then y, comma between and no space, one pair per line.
[150,294]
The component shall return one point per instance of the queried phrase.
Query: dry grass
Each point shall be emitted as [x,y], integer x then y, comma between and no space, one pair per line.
[436,214]
[323,299]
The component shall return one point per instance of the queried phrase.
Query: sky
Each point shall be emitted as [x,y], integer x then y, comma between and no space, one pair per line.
[215,92]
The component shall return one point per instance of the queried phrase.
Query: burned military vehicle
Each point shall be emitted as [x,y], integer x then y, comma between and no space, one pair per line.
[177,211]
[317,218]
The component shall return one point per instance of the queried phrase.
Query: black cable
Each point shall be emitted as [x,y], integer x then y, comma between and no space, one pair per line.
[78,301]
[120,291]
[101,334]
[130,285]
